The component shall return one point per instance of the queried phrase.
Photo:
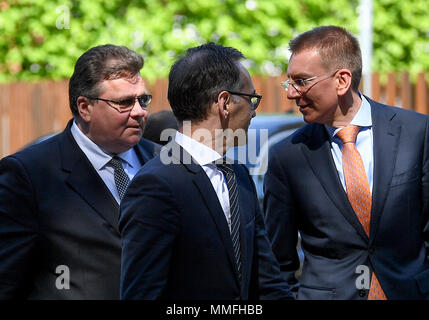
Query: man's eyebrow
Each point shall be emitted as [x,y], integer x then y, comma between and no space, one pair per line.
[131,96]
[124,98]
[299,76]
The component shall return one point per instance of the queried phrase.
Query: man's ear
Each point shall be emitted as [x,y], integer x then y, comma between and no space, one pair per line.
[84,107]
[223,101]
[344,81]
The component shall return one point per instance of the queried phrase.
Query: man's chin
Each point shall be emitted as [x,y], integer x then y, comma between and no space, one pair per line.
[306,120]
[133,139]
[307,116]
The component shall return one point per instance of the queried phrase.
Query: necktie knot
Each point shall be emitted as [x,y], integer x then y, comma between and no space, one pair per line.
[225,168]
[116,163]
[223,165]
[348,134]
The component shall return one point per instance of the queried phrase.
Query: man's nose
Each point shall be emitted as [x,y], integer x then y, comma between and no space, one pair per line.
[292,93]
[137,110]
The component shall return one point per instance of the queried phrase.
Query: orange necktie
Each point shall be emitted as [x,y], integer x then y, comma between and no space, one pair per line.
[358,192]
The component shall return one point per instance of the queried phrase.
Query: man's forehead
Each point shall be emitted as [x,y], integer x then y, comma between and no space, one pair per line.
[246,79]
[133,80]
[305,62]
[122,84]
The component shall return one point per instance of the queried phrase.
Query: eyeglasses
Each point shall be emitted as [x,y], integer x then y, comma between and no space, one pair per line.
[126,105]
[255,99]
[300,84]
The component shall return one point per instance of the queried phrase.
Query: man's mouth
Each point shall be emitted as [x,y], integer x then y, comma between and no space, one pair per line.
[135,127]
[303,106]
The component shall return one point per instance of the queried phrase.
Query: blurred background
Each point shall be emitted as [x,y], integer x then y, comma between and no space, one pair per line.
[40,41]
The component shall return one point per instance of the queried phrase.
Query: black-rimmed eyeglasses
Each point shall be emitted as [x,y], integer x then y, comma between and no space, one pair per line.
[126,105]
[255,99]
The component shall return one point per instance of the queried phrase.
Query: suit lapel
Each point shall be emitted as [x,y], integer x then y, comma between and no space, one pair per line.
[385,143]
[212,202]
[205,188]
[146,150]
[317,151]
[85,181]
[141,154]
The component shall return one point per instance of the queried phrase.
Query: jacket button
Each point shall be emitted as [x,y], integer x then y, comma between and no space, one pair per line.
[371,249]
[362,293]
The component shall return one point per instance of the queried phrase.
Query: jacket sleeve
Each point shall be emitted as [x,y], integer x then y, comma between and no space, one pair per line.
[271,286]
[425,187]
[18,229]
[281,218]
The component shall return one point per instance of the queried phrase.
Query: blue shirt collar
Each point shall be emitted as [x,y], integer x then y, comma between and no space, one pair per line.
[95,154]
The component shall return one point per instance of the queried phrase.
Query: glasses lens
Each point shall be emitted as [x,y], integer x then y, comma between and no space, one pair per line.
[144,100]
[255,102]
[285,84]
[126,104]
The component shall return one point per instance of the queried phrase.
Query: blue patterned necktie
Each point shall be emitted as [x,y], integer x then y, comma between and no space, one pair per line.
[121,178]
[228,171]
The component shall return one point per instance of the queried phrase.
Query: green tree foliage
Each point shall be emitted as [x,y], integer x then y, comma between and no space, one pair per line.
[43,38]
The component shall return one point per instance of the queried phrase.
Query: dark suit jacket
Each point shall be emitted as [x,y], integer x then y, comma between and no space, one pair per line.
[176,240]
[56,210]
[303,192]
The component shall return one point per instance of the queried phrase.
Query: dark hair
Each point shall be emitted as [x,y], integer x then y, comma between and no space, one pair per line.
[198,77]
[337,49]
[101,63]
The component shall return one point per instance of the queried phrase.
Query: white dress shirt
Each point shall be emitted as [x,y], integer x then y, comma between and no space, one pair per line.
[205,157]
[100,158]
[364,142]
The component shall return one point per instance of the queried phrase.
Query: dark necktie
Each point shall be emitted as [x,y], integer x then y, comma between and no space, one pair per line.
[228,171]
[121,178]
[358,192]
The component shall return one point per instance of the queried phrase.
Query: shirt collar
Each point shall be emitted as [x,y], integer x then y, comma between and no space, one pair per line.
[96,155]
[201,153]
[362,118]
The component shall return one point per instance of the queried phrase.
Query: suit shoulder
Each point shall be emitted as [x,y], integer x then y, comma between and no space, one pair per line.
[161,168]
[37,151]
[411,117]
[406,116]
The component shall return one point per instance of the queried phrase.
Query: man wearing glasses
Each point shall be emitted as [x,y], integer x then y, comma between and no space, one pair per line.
[190,220]
[59,199]
[354,182]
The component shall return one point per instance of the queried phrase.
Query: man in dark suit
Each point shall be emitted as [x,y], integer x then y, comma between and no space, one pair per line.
[192,229]
[59,199]
[354,181]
